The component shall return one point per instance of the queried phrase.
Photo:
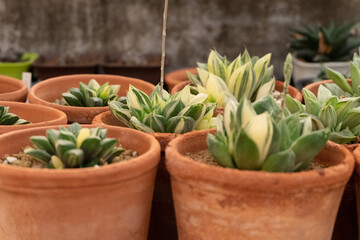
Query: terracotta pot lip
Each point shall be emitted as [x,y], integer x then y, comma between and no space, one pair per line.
[12,81]
[58,115]
[136,162]
[184,167]
[312,85]
[173,78]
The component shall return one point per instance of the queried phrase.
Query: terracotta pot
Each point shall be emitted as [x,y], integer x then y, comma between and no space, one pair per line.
[357,183]
[313,87]
[110,202]
[46,92]
[278,86]
[12,89]
[36,114]
[162,223]
[178,76]
[212,202]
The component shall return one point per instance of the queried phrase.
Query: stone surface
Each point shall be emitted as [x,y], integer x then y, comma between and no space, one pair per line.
[134,27]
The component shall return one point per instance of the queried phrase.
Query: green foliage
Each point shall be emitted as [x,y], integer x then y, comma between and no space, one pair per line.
[340,115]
[324,44]
[180,113]
[7,118]
[341,87]
[74,147]
[249,137]
[246,76]
[91,95]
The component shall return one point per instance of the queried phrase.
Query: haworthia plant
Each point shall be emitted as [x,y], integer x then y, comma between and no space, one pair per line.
[91,95]
[254,137]
[74,147]
[180,113]
[246,76]
[341,87]
[341,115]
[7,118]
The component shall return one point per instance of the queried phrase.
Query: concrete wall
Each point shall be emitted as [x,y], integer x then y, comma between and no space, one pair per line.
[133,27]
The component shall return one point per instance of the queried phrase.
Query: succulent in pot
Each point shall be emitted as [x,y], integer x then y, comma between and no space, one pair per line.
[246,76]
[91,95]
[340,115]
[340,86]
[160,112]
[74,147]
[217,198]
[7,118]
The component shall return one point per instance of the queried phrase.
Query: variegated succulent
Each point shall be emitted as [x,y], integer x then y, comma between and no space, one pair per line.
[7,118]
[341,115]
[74,147]
[244,77]
[341,87]
[180,113]
[91,95]
[263,137]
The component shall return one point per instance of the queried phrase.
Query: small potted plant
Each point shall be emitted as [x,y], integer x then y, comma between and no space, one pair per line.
[248,179]
[16,116]
[164,117]
[12,89]
[245,76]
[14,64]
[54,65]
[331,46]
[83,177]
[83,102]
[146,68]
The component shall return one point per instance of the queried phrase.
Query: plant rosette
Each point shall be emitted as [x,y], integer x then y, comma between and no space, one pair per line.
[12,89]
[46,92]
[279,86]
[68,201]
[213,202]
[37,115]
[175,77]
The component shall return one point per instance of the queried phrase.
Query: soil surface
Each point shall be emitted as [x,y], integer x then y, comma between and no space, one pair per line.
[205,156]
[21,159]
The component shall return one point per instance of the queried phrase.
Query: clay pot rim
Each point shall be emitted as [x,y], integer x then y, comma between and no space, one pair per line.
[180,166]
[312,85]
[23,90]
[59,114]
[171,76]
[36,87]
[42,173]
[181,85]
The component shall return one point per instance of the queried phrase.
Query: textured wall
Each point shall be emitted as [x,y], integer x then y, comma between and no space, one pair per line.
[133,27]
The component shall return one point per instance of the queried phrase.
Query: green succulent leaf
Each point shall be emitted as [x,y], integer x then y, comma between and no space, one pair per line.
[283,161]
[246,152]
[340,80]
[219,151]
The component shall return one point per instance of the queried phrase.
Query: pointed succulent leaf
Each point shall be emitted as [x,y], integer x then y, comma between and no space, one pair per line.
[106,145]
[172,108]
[56,162]
[71,100]
[293,105]
[216,65]
[352,119]
[267,104]
[260,130]
[9,119]
[265,89]
[180,124]
[90,146]
[43,143]
[39,154]
[135,123]
[355,77]
[328,116]
[246,152]
[283,161]
[307,147]
[342,137]
[219,151]
[156,122]
[323,95]
[340,80]
[62,146]
[73,158]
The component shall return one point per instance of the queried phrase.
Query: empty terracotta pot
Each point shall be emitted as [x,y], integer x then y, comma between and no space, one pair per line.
[36,114]
[213,202]
[111,202]
[278,86]
[163,223]
[313,87]
[46,92]
[12,89]
[178,76]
